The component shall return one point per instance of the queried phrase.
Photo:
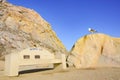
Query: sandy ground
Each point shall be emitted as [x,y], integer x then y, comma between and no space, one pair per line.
[69,74]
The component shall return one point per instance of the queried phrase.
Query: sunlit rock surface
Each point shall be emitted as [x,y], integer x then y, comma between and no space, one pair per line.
[21,28]
[95,50]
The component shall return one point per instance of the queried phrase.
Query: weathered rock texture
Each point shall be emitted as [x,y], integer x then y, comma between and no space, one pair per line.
[95,50]
[21,28]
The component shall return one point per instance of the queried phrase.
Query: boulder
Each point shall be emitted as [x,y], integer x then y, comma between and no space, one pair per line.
[21,28]
[95,50]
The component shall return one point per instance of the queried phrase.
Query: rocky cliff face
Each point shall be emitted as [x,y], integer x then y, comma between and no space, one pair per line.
[95,50]
[21,28]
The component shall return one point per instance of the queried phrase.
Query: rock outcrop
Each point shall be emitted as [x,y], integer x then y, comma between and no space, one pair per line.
[95,50]
[22,28]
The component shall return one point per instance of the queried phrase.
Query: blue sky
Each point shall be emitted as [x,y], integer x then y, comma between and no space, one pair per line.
[70,19]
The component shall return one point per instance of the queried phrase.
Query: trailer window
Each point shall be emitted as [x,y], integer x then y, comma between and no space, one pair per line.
[26,56]
[37,56]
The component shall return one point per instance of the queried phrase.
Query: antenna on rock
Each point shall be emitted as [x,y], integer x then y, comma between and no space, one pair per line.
[91,30]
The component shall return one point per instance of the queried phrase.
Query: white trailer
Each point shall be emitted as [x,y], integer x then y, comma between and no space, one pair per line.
[37,57]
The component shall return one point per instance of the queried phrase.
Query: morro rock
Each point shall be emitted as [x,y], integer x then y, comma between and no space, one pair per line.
[95,50]
[21,28]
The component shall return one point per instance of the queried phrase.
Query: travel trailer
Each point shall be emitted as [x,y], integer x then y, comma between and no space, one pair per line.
[38,58]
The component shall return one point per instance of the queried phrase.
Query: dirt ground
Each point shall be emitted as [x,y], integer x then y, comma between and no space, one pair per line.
[68,74]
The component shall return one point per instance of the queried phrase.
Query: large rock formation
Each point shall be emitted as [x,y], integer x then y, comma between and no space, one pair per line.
[21,28]
[95,50]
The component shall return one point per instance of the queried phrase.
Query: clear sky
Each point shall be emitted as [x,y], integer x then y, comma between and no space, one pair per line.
[70,19]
